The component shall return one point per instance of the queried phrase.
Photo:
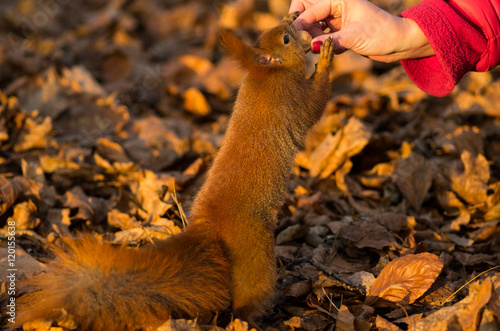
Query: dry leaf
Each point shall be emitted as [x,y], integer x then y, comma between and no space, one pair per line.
[24,216]
[195,102]
[80,80]
[111,150]
[469,318]
[12,189]
[59,220]
[472,185]
[238,325]
[345,320]
[291,233]
[362,279]
[87,208]
[36,133]
[463,315]
[405,279]
[294,322]
[413,176]
[147,188]
[25,263]
[178,325]
[367,234]
[384,325]
[336,149]
[122,220]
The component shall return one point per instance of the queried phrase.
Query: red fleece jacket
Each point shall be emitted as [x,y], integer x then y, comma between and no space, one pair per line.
[464,36]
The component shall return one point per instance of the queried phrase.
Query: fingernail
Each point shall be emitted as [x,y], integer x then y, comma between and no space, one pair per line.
[316,46]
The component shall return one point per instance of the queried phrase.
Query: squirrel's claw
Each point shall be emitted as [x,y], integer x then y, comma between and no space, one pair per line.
[326,54]
[288,19]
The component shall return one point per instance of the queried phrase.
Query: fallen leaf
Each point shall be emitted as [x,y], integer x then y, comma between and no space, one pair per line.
[331,154]
[87,208]
[122,220]
[238,325]
[24,216]
[178,324]
[469,318]
[36,133]
[362,279]
[291,233]
[413,176]
[405,279]
[59,220]
[367,234]
[472,184]
[463,315]
[195,102]
[345,319]
[25,263]
[384,325]
[12,189]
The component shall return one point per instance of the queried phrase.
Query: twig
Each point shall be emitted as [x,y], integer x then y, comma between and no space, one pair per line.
[461,287]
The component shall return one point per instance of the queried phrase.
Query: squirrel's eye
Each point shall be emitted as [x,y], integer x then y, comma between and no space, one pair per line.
[286,39]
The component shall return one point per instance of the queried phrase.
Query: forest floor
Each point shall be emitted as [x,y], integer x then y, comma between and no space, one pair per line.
[111,112]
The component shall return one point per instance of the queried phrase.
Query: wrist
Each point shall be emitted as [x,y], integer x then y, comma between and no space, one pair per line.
[412,41]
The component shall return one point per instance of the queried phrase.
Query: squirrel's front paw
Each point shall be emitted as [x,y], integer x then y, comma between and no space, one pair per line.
[288,19]
[326,54]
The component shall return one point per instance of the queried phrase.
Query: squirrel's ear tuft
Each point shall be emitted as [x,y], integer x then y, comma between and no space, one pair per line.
[227,40]
[235,48]
[267,59]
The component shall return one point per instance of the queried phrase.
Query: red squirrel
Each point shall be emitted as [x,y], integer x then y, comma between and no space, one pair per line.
[225,256]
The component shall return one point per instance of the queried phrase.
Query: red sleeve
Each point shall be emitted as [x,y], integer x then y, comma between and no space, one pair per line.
[464,36]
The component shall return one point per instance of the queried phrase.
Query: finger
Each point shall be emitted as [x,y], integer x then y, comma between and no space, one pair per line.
[335,24]
[318,11]
[315,30]
[296,5]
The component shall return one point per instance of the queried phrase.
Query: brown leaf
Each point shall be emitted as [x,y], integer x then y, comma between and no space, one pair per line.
[178,324]
[463,315]
[24,263]
[159,143]
[111,150]
[472,185]
[294,322]
[469,318]
[290,233]
[147,189]
[405,279]
[367,235]
[122,220]
[384,325]
[88,208]
[36,133]
[297,289]
[493,213]
[345,319]
[238,325]
[12,189]
[24,215]
[413,176]
[331,154]
[195,102]
[59,220]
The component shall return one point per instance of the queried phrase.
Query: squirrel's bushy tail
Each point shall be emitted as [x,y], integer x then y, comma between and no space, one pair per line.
[109,288]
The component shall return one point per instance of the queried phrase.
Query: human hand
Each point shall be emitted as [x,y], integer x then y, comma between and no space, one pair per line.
[362,27]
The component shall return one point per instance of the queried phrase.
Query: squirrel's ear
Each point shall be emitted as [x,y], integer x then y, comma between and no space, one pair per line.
[267,59]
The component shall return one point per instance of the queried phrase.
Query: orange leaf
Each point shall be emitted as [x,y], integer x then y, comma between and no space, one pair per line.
[405,279]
